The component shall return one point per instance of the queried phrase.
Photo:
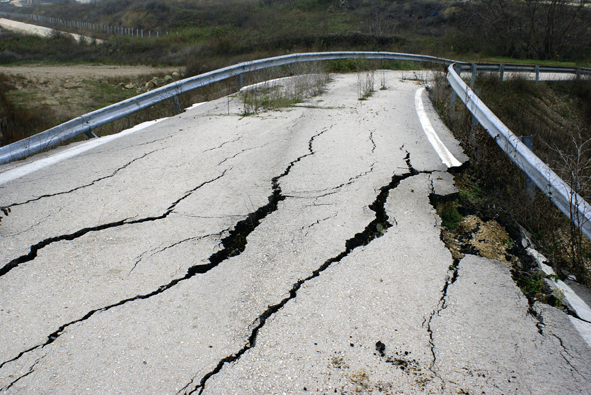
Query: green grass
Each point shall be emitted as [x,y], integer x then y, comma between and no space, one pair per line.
[451,217]
[473,193]
[20,97]
[504,60]
[103,94]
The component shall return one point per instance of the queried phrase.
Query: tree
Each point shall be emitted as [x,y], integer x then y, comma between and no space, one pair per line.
[535,29]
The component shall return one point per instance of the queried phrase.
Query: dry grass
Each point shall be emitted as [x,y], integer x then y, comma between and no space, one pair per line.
[308,80]
[526,110]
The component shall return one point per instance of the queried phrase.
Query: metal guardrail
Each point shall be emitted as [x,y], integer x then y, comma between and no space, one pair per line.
[570,203]
[88,122]
[567,200]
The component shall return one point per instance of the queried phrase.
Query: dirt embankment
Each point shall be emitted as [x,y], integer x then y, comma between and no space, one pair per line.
[61,93]
[83,72]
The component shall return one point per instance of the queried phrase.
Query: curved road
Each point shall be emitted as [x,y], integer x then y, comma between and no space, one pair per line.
[294,251]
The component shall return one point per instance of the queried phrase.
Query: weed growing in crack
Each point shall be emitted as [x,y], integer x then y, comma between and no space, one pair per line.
[309,80]
[365,84]
[450,216]
[472,192]
[383,85]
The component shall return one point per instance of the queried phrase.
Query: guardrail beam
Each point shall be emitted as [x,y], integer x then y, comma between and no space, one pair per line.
[543,177]
[562,195]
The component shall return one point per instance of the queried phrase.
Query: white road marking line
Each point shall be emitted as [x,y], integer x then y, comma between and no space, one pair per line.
[446,157]
[69,153]
[583,327]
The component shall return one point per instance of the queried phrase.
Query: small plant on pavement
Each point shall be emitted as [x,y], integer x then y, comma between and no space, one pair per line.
[365,84]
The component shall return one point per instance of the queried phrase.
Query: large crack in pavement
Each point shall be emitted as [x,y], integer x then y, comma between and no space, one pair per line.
[375,229]
[190,272]
[75,235]
[233,245]
[451,278]
[113,174]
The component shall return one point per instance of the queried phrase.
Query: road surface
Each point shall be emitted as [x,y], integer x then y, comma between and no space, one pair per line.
[293,251]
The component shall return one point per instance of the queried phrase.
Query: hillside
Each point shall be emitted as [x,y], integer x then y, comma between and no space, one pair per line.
[218,33]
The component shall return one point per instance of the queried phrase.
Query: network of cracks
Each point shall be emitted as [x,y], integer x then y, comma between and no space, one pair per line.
[233,244]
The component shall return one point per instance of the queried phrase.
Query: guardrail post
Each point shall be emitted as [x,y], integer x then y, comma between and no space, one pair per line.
[452,100]
[240,81]
[530,187]
[90,134]
[502,72]
[177,105]
[578,73]
[474,120]
[473,69]
[537,70]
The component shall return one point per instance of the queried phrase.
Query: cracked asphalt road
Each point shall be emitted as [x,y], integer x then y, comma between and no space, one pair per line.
[295,251]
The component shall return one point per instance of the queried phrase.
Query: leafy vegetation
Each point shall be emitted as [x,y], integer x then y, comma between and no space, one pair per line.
[451,217]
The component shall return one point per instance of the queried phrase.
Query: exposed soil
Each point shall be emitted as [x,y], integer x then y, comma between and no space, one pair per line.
[83,72]
[70,91]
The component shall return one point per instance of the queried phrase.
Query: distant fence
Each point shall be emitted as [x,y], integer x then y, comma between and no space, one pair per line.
[567,200]
[94,27]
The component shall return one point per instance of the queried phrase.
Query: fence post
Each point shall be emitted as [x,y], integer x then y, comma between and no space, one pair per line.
[452,100]
[502,72]
[474,120]
[473,69]
[530,187]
